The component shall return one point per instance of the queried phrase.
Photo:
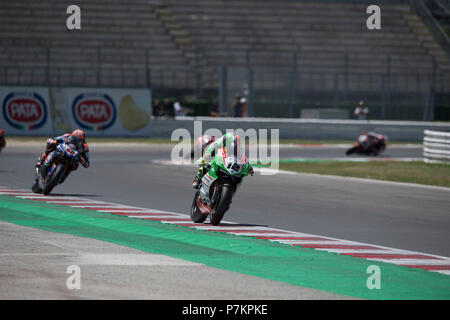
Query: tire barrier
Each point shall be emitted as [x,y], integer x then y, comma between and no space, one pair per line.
[436,146]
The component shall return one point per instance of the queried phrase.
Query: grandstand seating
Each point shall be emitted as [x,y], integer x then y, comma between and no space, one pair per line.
[121,40]
[116,36]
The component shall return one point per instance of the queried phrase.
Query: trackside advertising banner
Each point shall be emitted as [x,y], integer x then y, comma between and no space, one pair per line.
[25,110]
[54,111]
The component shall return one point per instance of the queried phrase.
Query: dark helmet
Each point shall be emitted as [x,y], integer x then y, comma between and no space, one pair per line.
[77,138]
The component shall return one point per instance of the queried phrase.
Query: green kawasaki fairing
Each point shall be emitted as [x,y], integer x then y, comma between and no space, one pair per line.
[218,186]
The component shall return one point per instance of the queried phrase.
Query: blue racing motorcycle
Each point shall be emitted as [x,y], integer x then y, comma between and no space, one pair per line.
[66,159]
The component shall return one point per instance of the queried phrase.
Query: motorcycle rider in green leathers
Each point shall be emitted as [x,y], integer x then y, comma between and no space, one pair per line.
[229,141]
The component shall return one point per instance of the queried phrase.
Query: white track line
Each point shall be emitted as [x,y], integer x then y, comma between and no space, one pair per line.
[314,242]
[249,228]
[118,209]
[359,251]
[178,222]
[155,217]
[447,272]
[416,261]
[92,206]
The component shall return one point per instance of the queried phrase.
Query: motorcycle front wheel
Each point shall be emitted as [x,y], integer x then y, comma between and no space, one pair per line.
[351,150]
[222,205]
[36,188]
[52,181]
[196,215]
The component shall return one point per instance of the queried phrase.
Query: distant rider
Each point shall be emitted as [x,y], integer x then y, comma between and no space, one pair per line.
[2,139]
[228,139]
[370,140]
[76,138]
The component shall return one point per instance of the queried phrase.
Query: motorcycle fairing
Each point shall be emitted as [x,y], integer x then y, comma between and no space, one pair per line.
[207,183]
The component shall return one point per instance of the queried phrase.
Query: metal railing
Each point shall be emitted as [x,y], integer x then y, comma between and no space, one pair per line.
[271,92]
[281,93]
[174,78]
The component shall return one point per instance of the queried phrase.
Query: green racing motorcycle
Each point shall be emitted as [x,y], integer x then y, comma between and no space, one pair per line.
[218,185]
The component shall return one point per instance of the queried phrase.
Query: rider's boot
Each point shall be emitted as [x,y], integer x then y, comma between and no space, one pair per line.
[41,160]
[201,172]
[196,183]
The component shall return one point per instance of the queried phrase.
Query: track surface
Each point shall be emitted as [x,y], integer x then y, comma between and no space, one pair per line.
[404,217]
[33,265]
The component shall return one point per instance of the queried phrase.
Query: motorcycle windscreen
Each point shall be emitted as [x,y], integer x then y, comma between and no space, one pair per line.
[236,150]
[235,159]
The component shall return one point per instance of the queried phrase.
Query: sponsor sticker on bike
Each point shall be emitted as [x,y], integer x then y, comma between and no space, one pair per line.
[24,110]
[94,111]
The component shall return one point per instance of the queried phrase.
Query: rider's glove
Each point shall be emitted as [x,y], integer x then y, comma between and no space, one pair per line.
[51,143]
[204,168]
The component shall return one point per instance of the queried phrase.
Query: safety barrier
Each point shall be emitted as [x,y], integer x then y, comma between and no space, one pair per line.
[436,146]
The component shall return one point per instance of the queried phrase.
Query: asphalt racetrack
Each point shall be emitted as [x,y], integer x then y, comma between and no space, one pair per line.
[393,215]
[404,217]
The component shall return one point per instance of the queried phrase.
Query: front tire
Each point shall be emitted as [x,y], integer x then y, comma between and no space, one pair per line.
[223,205]
[52,181]
[351,150]
[196,215]
[36,187]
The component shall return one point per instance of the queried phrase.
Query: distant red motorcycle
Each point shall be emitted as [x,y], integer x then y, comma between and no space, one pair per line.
[369,143]
[202,143]
[2,139]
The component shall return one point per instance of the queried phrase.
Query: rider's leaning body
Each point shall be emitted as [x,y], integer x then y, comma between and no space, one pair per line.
[370,139]
[228,140]
[76,138]
[2,139]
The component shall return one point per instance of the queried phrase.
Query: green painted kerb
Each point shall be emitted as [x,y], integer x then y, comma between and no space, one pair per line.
[294,265]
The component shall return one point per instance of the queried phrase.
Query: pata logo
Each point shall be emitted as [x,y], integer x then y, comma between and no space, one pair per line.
[24,110]
[94,111]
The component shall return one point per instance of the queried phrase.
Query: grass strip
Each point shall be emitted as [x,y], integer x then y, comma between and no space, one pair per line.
[411,172]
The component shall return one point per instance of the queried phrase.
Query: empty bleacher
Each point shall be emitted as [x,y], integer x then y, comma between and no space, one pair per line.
[116,38]
[319,36]
[165,42]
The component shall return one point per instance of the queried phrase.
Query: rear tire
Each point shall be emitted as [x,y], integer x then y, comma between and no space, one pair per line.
[223,205]
[52,181]
[196,215]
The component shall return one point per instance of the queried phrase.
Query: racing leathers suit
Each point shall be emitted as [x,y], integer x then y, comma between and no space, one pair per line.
[47,158]
[208,157]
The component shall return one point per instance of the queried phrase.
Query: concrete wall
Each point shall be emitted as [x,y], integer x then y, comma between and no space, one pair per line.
[315,129]
[408,131]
